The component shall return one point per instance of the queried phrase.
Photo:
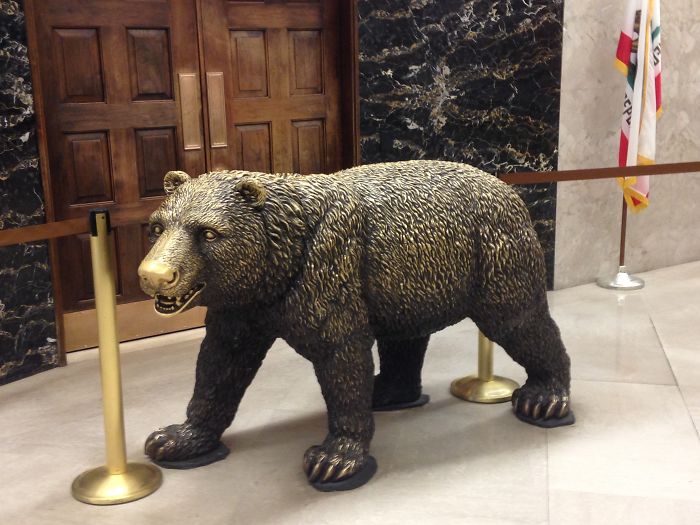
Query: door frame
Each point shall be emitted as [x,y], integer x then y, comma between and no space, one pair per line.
[350,123]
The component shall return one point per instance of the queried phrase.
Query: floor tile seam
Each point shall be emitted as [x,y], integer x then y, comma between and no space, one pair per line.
[663,347]
[624,495]
[675,378]
[619,382]
[659,342]
[670,311]
[687,410]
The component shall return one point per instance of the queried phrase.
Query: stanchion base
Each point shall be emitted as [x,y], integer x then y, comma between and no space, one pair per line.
[471,388]
[621,281]
[98,487]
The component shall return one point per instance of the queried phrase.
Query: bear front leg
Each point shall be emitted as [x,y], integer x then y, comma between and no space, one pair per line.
[229,358]
[343,462]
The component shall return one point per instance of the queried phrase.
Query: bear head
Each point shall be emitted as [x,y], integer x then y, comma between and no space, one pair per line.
[208,240]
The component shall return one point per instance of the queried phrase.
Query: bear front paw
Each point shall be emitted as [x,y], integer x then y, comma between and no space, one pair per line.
[542,405]
[179,442]
[332,465]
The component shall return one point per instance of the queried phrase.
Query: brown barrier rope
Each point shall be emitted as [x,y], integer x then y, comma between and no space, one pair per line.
[535,177]
[44,232]
[133,215]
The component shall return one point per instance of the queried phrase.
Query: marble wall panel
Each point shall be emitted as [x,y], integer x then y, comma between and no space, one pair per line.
[588,212]
[473,81]
[27,327]
[667,233]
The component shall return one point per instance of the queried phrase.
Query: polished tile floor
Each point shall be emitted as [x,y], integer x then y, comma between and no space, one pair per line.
[633,456]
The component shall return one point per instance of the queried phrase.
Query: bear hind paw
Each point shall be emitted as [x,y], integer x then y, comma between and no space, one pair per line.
[185,444]
[542,406]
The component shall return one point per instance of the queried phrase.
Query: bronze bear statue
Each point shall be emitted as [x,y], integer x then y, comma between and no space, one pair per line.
[330,263]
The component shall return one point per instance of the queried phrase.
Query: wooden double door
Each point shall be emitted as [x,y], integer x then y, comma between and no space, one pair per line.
[131,89]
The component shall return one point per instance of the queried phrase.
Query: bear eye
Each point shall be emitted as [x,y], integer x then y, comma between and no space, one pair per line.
[157,229]
[209,234]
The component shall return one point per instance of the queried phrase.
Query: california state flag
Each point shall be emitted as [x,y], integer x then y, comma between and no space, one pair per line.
[639,59]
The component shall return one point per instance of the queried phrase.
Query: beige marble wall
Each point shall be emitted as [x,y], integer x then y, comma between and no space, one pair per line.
[588,212]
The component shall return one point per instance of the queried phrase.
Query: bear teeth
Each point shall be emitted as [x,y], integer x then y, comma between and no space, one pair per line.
[173,304]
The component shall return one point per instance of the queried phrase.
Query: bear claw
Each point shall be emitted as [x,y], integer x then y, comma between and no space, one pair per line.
[179,442]
[334,465]
[539,407]
[156,444]
[319,466]
[537,410]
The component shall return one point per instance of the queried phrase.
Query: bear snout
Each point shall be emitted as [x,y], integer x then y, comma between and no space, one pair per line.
[156,276]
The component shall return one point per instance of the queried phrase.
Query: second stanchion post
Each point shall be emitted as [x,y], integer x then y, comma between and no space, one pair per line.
[484,387]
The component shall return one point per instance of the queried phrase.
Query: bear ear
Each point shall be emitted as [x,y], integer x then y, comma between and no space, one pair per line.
[173,180]
[252,191]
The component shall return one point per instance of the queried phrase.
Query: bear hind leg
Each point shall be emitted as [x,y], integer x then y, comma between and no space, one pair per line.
[534,342]
[398,384]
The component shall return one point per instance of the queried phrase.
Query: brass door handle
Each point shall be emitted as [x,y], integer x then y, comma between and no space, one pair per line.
[190,111]
[216,97]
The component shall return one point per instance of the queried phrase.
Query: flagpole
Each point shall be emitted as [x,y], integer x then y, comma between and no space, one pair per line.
[623,232]
[638,59]
[622,280]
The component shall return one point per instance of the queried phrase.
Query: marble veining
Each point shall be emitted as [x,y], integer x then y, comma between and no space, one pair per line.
[27,324]
[473,81]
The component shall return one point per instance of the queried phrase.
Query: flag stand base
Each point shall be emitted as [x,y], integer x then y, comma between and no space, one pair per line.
[621,281]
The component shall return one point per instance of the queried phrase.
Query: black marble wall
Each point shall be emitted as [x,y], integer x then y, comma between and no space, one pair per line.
[473,81]
[27,327]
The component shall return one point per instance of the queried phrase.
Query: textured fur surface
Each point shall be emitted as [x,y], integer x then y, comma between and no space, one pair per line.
[330,263]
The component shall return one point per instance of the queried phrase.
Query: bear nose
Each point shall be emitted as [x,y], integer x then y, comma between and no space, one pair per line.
[158,275]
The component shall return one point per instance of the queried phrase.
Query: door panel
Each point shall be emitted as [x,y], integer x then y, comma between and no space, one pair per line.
[305,52]
[87,153]
[308,145]
[279,62]
[114,122]
[77,53]
[78,280]
[149,64]
[156,153]
[249,56]
[253,143]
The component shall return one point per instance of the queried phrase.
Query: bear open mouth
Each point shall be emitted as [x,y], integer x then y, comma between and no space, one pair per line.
[167,306]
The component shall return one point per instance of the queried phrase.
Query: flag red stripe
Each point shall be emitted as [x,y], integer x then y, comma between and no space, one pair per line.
[624,144]
[657,81]
[624,48]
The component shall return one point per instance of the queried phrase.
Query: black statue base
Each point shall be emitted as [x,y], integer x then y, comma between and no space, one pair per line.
[357,480]
[422,400]
[212,456]
[554,422]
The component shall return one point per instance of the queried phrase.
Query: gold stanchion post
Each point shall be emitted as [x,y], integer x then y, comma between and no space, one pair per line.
[118,481]
[484,387]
